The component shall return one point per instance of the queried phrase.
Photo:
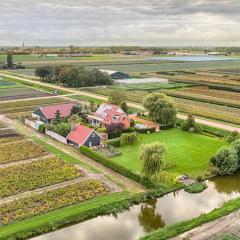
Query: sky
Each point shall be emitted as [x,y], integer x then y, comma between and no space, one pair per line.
[120,22]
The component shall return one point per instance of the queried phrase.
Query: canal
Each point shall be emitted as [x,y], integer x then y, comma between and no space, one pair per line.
[153,214]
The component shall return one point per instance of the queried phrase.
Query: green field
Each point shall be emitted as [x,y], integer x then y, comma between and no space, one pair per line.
[190,152]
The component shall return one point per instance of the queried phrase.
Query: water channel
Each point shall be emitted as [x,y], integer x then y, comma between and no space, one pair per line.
[153,214]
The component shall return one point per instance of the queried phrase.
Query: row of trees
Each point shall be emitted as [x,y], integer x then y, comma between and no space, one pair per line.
[73,76]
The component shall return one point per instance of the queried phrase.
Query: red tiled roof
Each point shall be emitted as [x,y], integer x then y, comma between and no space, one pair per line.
[50,111]
[110,114]
[79,134]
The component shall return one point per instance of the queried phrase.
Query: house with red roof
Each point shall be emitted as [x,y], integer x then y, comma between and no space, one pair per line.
[83,136]
[110,115]
[47,114]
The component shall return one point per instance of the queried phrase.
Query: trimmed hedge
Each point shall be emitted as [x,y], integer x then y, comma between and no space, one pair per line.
[166,127]
[117,167]
[145,130]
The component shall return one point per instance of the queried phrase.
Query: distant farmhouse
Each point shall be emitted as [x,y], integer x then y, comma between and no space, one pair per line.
[115,74]
[83,136]
[47,114]
[108,115]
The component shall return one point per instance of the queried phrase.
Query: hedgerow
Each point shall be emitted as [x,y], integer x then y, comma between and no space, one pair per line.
[116,167]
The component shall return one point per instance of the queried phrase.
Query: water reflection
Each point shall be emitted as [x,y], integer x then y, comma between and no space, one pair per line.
[227,185]
[153,214]
[148,218]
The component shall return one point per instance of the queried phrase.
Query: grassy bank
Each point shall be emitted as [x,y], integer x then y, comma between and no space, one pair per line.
[181,227]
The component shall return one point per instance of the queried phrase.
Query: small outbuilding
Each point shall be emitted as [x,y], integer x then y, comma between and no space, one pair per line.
[115,74]
[47,114]
[83,136]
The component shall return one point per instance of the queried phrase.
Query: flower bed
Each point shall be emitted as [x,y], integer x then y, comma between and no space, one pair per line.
[49,200]
[15,151]
[29,176]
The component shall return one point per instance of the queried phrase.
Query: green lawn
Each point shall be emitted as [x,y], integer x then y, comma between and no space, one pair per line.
[190,152]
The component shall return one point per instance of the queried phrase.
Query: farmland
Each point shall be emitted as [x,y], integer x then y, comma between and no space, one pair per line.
[10,91]
[182,148]
[25,106]
[34,181]
[199,106]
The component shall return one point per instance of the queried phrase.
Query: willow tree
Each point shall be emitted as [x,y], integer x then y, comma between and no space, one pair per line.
[152,156]
[160,108]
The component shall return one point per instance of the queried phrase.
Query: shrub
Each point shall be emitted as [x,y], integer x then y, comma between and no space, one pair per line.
[190,125]
[42,128]
[236,147]
[145,130]
[226,160]
[114,142]
[196,187]
[130,138]
[233,136]
[62,129]
[117,167]
[166,126]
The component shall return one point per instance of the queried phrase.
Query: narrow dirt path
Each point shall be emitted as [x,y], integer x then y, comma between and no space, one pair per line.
[229,224]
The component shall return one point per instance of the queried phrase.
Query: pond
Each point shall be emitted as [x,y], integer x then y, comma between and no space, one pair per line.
[153,214]
[197,58]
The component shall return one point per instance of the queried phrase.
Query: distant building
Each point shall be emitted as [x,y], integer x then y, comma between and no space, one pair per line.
[108,115]
[115,74]
[83,136]
[47,114]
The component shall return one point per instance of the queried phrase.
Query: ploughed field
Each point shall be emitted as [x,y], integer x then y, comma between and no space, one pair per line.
[187,153]
[35,181]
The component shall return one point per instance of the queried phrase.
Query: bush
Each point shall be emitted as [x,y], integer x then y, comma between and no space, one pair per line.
[233,136]
[62,129]
[42,128]
[116,167]
[190,125]
[130,138]
[196,187]
[114,142]
[236,147]
[166,126]
[226,160]
[145,130]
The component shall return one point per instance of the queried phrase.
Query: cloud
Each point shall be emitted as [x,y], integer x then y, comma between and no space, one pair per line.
[110,22]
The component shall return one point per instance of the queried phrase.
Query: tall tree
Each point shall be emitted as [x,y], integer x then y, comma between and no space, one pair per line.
[160,108]
[9,59]
[152,156]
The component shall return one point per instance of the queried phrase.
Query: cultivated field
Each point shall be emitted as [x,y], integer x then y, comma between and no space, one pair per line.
[33,181]
[26,106]
[10,91]
[198,106]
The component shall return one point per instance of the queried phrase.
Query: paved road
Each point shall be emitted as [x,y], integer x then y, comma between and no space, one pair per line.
[130,104]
